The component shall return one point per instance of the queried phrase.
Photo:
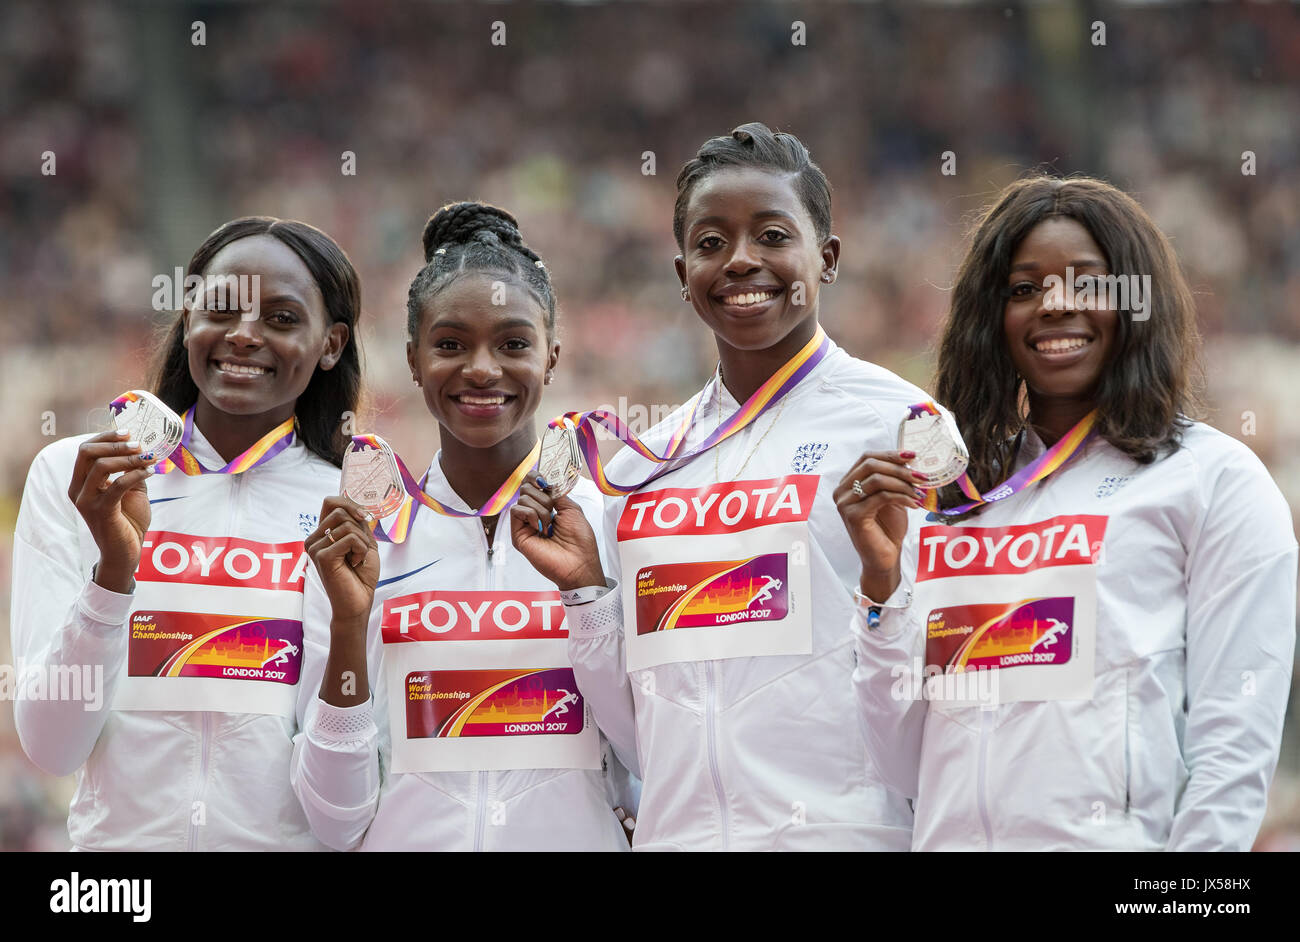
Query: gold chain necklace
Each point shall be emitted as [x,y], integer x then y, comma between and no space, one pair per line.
[717,475]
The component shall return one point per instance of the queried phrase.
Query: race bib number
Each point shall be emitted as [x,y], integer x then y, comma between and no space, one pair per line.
[1018,600]
[216,626]
[453,706]
[717,572]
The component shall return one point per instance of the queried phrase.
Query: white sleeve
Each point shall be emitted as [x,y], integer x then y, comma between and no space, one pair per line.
[1241,609]
[596,651]
[890,716]
[61,622]
[335,766]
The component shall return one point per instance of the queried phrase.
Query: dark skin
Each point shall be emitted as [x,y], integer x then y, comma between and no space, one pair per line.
[290,339]
[1061,350]
[746,232]
[481,367]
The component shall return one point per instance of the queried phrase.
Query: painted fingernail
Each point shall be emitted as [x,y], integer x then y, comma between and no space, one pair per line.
[907,454]
[133,444]
[920,493]
[919,476]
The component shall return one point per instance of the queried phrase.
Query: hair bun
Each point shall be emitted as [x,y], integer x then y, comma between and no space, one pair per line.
[461,223]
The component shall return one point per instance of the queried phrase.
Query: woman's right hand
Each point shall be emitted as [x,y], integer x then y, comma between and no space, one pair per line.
[877,518]
[117,512]
[345,554]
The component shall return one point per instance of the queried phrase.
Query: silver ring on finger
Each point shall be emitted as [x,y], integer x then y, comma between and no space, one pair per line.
[329,533]
[857,489]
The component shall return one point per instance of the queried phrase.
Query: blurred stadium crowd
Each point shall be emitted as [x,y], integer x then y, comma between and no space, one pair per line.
[157,141]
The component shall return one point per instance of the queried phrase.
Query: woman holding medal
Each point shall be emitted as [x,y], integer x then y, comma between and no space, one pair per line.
[476,736]
[1112,626]
[173,588]
[716,660]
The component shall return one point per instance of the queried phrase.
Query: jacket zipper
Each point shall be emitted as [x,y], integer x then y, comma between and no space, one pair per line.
[481,787]
[205,721]
[710,700]
[480,803]
[981,790]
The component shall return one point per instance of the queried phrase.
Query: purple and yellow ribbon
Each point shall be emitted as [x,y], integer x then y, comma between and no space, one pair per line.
[400,527]
[791,373]
[1071,442]
[262,451]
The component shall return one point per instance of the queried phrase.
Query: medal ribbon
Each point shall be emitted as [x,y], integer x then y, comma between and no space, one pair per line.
[266,447]
[1071,442]
[777,385]
[400,527]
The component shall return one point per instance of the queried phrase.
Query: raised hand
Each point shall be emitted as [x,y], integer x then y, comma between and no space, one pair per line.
[345,554]
[876,518]
[117,512]
[554,535]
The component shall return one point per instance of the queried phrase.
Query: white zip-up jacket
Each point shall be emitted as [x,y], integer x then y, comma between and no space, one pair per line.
[757,752]
[1195,632]
[154,780]
[343,756]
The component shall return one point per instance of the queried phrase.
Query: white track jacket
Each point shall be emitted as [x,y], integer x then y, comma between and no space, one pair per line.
[740,746]
[1140,682]
[164,779]
[454,619]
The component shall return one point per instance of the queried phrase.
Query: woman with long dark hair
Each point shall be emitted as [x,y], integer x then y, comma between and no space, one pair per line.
[1090,647]
[173,589]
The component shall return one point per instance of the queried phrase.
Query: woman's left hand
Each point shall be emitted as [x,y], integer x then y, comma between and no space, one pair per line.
[554,535]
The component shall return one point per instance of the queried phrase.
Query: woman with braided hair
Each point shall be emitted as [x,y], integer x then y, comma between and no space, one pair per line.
[428,721]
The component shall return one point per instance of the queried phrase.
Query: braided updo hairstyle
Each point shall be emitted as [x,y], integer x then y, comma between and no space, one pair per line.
[462,238]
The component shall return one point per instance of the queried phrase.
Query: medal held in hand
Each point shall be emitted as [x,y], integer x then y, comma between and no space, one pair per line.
[560,462]
[931,432]
[370,477]
[147,420]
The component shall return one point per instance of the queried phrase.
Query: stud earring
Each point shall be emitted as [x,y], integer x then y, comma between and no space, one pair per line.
[828,277]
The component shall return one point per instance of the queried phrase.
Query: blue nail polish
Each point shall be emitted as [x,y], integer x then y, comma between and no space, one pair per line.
[541,482]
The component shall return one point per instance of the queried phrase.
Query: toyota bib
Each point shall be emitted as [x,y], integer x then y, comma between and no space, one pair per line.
[1021,600]
[216,625]
[454,707]
[717,572]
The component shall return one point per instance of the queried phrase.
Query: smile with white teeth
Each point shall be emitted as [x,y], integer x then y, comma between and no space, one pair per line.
[1061,344]
[751,298]
[473,400]
[242,370]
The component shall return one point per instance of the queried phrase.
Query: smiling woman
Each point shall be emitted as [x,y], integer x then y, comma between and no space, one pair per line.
[183,582]
[1130,589]
[491,728]
[245,374]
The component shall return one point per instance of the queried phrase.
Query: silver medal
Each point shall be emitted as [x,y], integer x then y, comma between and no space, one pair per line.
[150,422]
[941,454]
[560,461]
[370,478]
